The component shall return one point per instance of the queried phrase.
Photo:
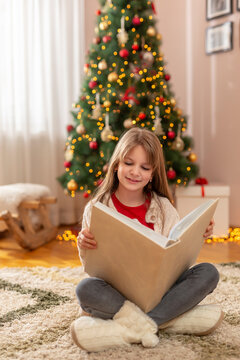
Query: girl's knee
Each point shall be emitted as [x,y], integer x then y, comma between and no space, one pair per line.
[211,274]
[87,289]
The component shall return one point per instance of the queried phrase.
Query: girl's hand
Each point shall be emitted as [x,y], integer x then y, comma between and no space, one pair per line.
[209,230]
[86,240]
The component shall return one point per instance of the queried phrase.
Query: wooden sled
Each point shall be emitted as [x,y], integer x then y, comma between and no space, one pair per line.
[27,237]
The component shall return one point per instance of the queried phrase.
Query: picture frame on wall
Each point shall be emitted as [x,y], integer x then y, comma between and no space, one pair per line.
[219,38]
[218,8]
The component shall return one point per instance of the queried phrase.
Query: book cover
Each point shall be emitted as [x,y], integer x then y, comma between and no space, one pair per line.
[140,263]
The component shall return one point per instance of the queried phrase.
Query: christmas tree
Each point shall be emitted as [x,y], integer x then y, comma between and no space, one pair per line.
[126,84]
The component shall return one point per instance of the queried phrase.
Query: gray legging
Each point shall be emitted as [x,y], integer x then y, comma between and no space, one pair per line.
[100,299]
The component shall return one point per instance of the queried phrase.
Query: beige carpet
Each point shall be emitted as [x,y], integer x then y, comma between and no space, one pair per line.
[37,305]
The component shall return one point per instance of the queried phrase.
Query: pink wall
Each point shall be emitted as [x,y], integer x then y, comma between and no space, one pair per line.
[207,88]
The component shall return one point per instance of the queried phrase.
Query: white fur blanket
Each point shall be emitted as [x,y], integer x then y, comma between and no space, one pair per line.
[12,195]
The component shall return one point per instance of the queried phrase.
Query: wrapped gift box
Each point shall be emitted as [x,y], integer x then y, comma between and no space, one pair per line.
[190,197]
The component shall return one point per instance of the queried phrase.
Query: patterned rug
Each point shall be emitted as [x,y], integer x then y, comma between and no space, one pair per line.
[37,306]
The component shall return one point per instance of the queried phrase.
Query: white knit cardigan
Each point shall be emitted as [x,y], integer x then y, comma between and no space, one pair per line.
[153,215]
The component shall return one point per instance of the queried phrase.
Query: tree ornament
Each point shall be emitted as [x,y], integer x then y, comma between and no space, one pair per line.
[173,101]
[107,103]
[102,65]
[80,129]
[69,128]
[106,39]
[68,155]
[153,7]
[129,95]
[97,111]
[142,116]
[192,157]
[147,58]
[151,31]
[86,68]
[167,77]
[171,134]
[67,164]
[178,143]
[124,53]
[92,84]
[122,34]
[97,40]
[157,123]
[106,134]
[103,25]
[98,12]
[107,5]
[128,124]
[179,112]
[85,194]
[72,185]
[112,77]
[93,144]
[171,174]
[161,99]
[136,21]
[135,46]
[105,167]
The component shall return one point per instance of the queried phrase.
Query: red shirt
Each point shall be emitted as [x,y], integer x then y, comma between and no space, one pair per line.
[133,212]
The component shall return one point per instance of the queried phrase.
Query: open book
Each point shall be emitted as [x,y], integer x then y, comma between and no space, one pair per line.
[139,262]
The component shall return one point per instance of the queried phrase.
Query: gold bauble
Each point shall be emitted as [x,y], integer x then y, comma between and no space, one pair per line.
[68,156]
[173,101]
[103,25]
[192,157]
[179,112]
[80,129]
[151,31]
[72,185]
[102,65]
[112,77]
[106,134]
[97,112]
[107,103]
[128,123]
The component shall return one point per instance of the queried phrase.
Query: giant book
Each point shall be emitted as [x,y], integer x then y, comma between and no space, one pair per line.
[140,263]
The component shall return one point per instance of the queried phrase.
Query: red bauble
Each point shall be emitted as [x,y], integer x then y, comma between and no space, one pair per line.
[167,77]
[136,21]
[142,116]
[98,12]
[135,46]
[92,84]
[124,53]
[171,134]
[83,98]
[67,164]
[85,195]
[93,145]
[69,128]
[161,99]
[171,174]
[97,40]
[106,38]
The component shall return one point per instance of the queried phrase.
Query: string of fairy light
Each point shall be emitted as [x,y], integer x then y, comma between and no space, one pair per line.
[232,237]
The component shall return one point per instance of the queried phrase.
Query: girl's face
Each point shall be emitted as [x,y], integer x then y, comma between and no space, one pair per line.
[134,172]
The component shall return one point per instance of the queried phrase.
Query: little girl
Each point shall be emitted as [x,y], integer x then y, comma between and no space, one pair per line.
[136,186]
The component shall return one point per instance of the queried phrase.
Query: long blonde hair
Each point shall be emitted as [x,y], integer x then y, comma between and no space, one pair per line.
[149,141]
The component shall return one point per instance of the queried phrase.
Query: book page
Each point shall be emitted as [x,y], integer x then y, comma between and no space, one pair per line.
[135,224]
[189,219]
